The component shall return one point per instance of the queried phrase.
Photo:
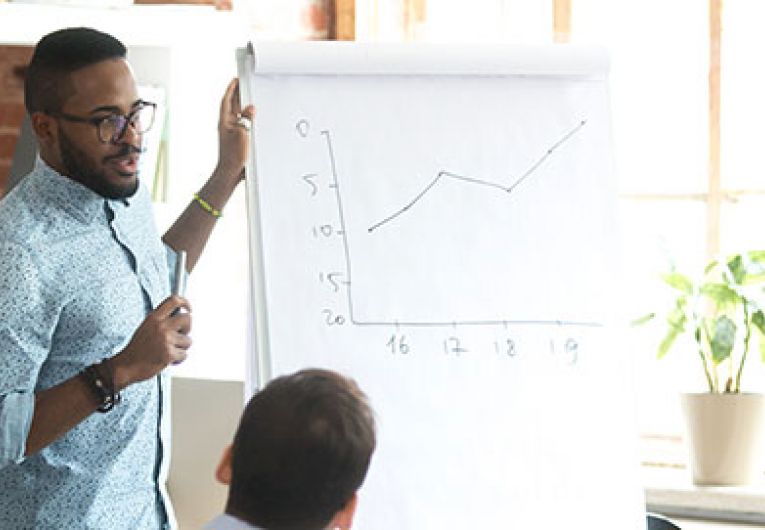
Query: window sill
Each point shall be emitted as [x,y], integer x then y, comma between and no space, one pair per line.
[670,491]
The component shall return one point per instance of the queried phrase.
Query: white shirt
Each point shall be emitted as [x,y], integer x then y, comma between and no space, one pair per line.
[229,522]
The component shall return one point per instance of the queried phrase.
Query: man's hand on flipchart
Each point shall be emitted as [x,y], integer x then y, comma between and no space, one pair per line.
[234,126]
[161,339]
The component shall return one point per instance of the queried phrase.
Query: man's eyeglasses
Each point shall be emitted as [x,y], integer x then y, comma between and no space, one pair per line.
[112,128]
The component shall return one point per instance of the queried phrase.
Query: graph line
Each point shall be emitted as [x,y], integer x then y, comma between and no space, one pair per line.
[348,283]
[472,180]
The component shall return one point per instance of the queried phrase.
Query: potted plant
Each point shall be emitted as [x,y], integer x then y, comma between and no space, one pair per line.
[723,314]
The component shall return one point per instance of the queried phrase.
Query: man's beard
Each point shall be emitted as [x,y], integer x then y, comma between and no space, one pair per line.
[81,169]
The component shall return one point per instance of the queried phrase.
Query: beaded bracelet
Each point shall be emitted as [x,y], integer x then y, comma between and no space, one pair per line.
[207,207]
[100,378]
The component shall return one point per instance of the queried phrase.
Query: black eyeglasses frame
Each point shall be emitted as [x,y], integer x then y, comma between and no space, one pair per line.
[120,130]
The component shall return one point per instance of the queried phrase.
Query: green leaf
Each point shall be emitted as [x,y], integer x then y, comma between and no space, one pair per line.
[755,274]
[642,320]
[737,268]
[749,268]
[677,317]
[757,257]
[723,340]
[758,319]
[720,293]
[678,281]
[667,341]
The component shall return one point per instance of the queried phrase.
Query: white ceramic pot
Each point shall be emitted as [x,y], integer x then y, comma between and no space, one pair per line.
[724,434]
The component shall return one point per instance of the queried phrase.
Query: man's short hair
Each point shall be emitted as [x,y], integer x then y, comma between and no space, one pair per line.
[57,55]
[301,451]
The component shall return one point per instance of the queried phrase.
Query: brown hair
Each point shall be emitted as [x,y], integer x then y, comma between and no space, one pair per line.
[301,451]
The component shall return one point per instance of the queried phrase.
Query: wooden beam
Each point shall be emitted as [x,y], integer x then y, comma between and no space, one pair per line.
[414,14]
[343,20]
[561,21]
[714,195]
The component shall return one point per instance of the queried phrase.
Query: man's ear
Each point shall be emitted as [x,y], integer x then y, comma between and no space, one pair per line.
[45,128]
[343,520]
[223,471]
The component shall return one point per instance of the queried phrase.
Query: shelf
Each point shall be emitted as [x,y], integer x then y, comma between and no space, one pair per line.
[672,493]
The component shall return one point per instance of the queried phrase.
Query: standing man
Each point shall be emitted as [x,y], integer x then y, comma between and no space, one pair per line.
[87,325]
[300,453]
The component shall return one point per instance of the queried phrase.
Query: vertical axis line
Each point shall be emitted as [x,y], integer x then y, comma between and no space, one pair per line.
[346,248]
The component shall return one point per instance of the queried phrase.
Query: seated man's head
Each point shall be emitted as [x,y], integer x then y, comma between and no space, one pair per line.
[301,451]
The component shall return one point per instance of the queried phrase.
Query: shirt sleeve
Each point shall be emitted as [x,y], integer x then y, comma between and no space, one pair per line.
[16,410]
[27,321]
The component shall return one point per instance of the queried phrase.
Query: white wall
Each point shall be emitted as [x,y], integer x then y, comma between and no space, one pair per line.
[204,418]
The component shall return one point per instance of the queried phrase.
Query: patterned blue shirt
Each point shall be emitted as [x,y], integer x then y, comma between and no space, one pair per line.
[78,274]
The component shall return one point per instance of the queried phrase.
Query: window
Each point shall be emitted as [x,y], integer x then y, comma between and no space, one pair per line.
[660,104]
[685,110]
[686,125]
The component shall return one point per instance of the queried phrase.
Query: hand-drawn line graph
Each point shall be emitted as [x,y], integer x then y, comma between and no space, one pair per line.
[343,233]
[509,189]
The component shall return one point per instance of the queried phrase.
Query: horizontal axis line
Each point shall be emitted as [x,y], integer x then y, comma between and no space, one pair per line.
[558,323]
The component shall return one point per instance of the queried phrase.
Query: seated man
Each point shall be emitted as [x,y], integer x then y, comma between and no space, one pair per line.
[300,453]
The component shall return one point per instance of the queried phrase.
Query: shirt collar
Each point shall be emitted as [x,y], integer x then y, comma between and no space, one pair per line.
[78,200]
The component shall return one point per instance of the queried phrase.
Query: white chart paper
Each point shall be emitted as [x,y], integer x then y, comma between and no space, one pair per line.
[438,223]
